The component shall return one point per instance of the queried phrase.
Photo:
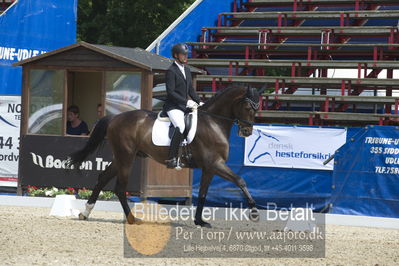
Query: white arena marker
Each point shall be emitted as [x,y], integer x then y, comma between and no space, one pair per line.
[301,220]
[64,205]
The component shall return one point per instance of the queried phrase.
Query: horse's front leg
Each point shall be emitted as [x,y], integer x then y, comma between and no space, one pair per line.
[206,179]
[225,172]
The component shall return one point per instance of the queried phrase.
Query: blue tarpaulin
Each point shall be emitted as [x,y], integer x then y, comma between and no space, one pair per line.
[299,187]
[366,174]
[365,180]
[29,28]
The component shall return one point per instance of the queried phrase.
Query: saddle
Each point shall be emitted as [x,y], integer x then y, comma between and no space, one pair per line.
[185,153]
[161,129]
[188,122]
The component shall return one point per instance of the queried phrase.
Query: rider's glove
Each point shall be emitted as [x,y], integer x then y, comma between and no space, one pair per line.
[201,103]
[191,104]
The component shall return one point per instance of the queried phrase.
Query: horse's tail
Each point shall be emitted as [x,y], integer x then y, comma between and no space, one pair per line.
[96,138]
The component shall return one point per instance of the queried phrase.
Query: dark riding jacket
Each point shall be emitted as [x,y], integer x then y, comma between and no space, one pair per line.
[179,88]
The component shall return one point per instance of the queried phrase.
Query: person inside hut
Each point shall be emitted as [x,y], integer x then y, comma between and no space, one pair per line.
[99,114]
[99,111]
[75,126]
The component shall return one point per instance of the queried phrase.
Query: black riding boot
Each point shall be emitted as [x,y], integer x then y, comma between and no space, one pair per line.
[177,138]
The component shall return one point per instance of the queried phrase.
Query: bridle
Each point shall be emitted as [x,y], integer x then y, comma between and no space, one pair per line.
[254,105]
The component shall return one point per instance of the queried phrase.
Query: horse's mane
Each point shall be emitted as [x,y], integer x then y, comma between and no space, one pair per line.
[222,94]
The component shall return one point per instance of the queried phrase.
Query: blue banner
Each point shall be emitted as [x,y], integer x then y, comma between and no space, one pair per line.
[29,28]
[366,174]
[365,180]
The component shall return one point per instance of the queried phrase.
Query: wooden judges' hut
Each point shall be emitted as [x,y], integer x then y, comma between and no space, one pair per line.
[100,80]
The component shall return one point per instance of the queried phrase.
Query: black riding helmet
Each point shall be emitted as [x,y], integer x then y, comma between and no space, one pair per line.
[179,48]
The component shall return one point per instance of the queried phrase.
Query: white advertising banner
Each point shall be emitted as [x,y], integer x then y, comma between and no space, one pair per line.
[292,147]
[10,116]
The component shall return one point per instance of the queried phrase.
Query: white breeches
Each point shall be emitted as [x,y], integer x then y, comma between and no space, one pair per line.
[176,116]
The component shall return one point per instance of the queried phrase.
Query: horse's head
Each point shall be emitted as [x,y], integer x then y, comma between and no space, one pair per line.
[244,111]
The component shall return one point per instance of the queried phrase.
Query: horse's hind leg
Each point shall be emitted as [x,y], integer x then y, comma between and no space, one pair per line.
[124,167]
[120,191]
[103,179]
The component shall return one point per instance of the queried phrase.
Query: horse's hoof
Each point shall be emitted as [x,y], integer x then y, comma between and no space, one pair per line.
[82,217]
[254,215]
[138,221]
[203,224]
[131,220]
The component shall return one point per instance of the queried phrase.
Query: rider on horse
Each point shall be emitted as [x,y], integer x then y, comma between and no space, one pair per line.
[178,87]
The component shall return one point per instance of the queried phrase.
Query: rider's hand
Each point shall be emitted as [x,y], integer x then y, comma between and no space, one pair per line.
[201,103]
[191,104]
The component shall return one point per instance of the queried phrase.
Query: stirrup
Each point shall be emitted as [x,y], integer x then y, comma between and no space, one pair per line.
[178,167]
[173,164]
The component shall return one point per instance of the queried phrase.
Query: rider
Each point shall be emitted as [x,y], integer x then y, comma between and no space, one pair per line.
[178,87]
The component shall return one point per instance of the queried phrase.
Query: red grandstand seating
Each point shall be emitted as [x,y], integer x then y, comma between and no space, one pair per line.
[308,5]
[305,41]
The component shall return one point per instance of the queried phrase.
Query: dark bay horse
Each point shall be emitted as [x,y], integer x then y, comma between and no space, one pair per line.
[129,135]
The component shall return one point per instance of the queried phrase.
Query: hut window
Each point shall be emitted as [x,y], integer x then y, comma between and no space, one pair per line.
[123,92]
[45,104]
[158,91]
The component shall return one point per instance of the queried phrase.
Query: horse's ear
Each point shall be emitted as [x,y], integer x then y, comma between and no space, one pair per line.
[248,88]
[250,91]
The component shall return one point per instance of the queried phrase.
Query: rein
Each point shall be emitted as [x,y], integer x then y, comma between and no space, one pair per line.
[235,121]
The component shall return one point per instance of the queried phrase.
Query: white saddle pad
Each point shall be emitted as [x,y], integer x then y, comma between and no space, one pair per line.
[160,131]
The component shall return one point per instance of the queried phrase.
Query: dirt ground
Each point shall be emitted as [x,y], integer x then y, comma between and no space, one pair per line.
[29,236]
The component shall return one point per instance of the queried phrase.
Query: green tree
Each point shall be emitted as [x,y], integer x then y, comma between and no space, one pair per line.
[130,23]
